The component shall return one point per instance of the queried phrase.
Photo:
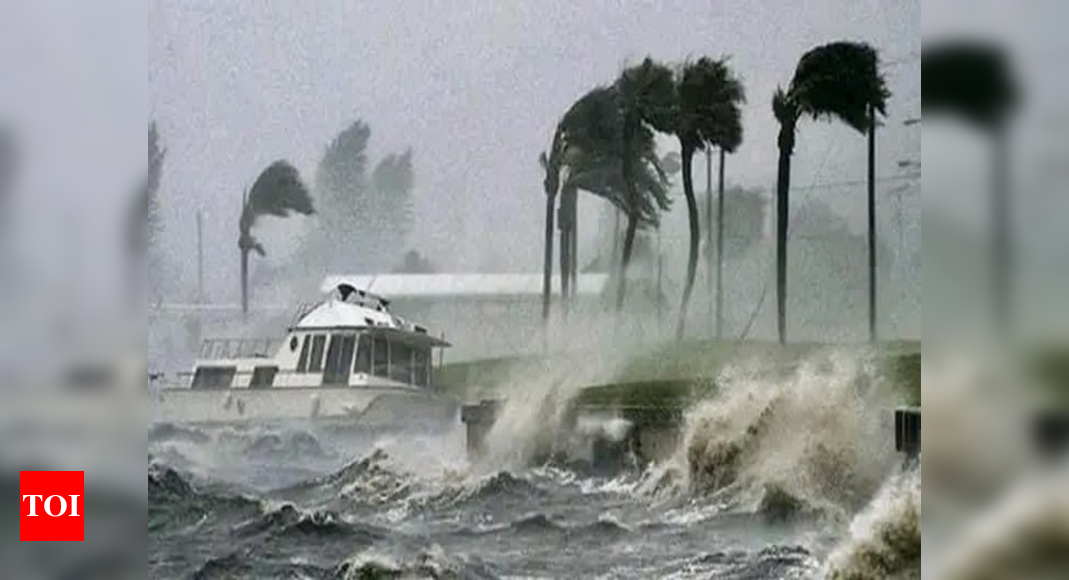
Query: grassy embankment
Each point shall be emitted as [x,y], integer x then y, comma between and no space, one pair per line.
[674,374]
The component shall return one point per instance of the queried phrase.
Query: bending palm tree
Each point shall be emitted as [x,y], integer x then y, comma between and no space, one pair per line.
[708,114]
[279,192]
[551,164]
[577,160]
[647,102]
[587,155]
[840,80]
[973,81]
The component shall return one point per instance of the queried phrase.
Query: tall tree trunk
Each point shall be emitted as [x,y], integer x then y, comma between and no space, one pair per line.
[872,224]
[547,259]
[565,247]
[695,237]
[1001,254]
[245,282]
[615,258]
[720,249]
[573,258]
[783,191]
[632,213]
[574,251]
[710,320]
[629,246]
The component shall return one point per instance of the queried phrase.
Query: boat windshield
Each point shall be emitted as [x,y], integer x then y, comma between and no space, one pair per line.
[227,348]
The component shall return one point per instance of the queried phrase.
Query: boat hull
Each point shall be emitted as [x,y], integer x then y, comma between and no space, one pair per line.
[368,406]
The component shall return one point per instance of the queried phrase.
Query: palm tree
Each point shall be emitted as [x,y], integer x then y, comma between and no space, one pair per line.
[708,114]
[144,224]
[647,101]
[588,155]
[836,80]
[972,80]
[279,192]
[551,165]
[578,158]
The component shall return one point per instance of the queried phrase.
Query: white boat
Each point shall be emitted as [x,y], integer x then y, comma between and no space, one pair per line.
[346,357]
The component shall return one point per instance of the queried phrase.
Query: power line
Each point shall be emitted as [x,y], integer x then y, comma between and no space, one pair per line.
[892,178]
[906,58]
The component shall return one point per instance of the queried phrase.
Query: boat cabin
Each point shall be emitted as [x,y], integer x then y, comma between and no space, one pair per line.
[349,340]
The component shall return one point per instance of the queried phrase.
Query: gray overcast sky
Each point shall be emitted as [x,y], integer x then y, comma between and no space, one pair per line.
[73,91]
[475,88]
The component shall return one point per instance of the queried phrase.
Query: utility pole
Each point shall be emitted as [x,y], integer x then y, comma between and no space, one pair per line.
[660,273]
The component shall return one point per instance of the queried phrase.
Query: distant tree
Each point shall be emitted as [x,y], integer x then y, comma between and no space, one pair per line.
[365,220]
[835,80]
[973,81]
[551,167]
[744,211]
[414,263]
[278,192]
[393,180]
[833,260]
[145,225]
[341,183]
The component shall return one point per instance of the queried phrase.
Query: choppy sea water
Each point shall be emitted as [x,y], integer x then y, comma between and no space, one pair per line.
[768,482]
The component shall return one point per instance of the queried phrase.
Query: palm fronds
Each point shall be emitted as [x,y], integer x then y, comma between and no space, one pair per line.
[970,79]
[277,192]
[840,79]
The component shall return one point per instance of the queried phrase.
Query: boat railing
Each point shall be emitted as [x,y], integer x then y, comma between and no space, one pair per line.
[185,379]
[226,348]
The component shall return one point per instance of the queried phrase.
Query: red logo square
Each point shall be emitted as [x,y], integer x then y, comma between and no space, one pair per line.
[51,506]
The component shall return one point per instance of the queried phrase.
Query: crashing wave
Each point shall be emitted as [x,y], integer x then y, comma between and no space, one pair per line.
[770,562]
[370,481]
[297,444]
[166,485]
[1024,536]
[885,540]
[494,487]
[232,565]
[174,501]
[431,564]
[287,522]
[172,432]
[813,441]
